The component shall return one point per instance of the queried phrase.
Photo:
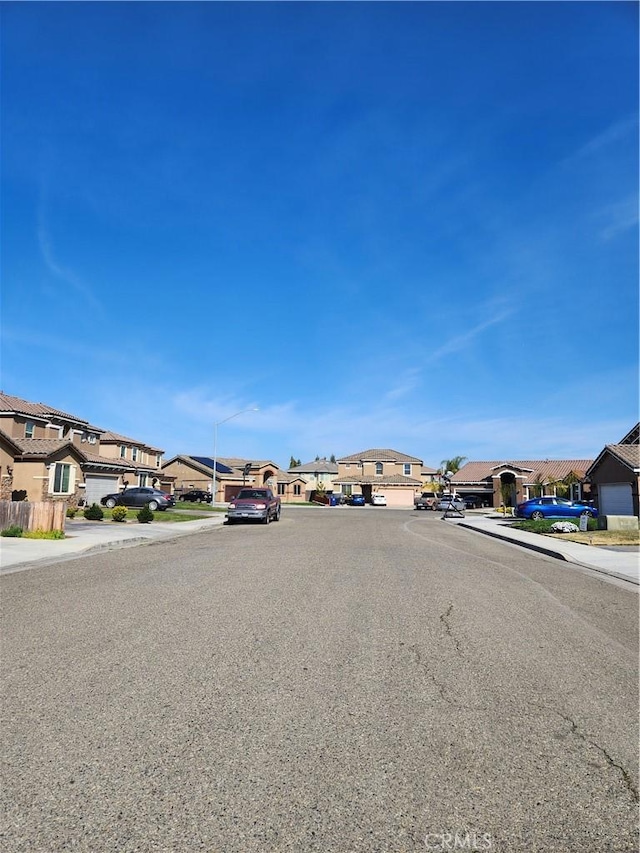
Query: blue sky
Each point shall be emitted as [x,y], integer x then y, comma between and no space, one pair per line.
[405,225]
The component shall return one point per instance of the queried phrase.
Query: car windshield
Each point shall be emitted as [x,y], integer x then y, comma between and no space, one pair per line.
[250,493]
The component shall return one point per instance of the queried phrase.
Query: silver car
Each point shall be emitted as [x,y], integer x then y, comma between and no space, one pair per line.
[451,504]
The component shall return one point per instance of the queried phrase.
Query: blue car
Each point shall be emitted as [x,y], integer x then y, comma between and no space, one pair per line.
[356,500]
[549,507]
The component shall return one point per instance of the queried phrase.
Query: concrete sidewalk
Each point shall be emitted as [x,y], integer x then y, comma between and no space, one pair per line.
[624,564]
[89,537]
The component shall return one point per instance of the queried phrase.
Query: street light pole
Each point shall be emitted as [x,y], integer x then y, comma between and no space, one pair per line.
[215,448]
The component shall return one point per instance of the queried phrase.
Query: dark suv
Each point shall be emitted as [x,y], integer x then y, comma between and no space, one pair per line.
[196,496]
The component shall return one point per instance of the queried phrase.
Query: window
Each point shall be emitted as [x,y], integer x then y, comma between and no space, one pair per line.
[378,468]
[123,452]
[29,429]
[134,453]
[143,479]
[61,479]
[296,489]
[407,469]
[281,488]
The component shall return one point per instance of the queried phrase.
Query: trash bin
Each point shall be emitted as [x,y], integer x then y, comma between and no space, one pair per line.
[333,500]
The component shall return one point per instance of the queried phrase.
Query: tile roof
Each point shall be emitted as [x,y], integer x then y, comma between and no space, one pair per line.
[632,437]
[109,437]
[379,455]
[628,454]
[319,466]
[545,469]
[10,405]
[43,448]
[393,480]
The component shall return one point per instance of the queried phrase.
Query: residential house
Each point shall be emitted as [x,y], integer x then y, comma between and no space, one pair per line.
[431,479]
[48,454]
[196,472]
[511,482]
[390,472]
[318,476]
[615,476]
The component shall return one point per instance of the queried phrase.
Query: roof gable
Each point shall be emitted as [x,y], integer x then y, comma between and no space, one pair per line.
[380,455]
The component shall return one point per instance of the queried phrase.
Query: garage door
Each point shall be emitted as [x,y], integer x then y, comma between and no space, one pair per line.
[616,499]
[96,487]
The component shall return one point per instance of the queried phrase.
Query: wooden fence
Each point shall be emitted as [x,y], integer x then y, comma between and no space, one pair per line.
[43,515]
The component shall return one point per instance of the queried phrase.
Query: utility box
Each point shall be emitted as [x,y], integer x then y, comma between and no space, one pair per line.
[618,522]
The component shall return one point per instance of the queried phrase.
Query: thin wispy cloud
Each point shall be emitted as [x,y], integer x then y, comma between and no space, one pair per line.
[65,274]
[463,340]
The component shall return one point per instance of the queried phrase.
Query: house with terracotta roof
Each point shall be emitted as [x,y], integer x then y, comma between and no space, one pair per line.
[394,474]
[615,476]
[512,481]
[231,474]
[318,476]
[49,454]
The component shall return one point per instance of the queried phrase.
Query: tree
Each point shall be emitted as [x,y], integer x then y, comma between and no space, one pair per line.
[333,458]
[452,465]
[294,463]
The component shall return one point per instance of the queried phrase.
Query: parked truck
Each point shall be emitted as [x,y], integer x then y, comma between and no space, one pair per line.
[427,500]
[254,505]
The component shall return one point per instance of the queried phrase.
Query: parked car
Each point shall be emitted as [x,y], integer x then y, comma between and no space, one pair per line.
[451,503]
[378,500]
[472,501]
[254,505]
[196,496]
[139,497]
[355,500]
[427,500]
[550,507]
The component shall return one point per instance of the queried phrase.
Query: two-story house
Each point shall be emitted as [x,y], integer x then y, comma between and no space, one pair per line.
[48,454]
[319,476]
[390,472]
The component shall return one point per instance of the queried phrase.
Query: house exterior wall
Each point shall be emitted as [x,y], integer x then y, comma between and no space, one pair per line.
[186,476]
[611,471]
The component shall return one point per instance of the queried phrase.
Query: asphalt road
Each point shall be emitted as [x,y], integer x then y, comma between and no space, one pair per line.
[349,680]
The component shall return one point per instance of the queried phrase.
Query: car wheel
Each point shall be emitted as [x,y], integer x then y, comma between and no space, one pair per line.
[267,517]
[276,517]
[536,515]
[110,503]
[153,505]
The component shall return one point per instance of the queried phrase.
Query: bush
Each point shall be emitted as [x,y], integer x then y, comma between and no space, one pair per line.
[71,511]
[15,532]
[19,495]
[119,513]
[44,534]
[94,513]
[145,515]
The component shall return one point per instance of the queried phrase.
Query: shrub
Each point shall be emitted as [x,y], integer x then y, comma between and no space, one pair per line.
[19,495]
[15,532]
[119,513]
[71,511]
[44,534]
[94,513]
[145,515]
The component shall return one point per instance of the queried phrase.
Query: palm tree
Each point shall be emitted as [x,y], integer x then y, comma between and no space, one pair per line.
[452,465]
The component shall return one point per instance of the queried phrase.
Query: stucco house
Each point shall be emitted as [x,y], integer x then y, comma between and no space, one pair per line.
[511,482]
[196,472]
[396,475]
[318,475]
[54,455]
[615,476]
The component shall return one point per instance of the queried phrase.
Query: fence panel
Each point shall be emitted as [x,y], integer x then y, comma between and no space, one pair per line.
[39,515]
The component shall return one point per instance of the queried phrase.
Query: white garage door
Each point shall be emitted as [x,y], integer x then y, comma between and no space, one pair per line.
[615,499]
[96,487]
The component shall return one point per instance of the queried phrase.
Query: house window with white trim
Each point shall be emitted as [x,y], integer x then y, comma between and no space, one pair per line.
[378,468]
[281,488]
[407,469]
[296,489]
[123,451]
[134,454]
[29,429]
[62,479]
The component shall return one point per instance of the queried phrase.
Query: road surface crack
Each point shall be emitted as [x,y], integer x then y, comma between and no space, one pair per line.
[444,618]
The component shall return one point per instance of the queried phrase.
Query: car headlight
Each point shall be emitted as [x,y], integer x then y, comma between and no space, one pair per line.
[232,506]
[261,506]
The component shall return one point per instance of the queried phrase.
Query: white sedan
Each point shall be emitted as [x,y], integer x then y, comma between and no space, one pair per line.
[378,500]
